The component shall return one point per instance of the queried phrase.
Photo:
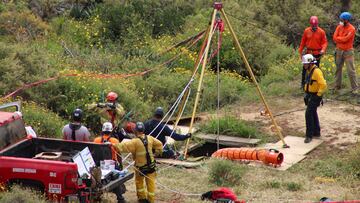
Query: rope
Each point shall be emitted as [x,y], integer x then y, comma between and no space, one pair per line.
[192,78]
[256,26]
[160,184]
[200,34]
[174,106]
[181,113]
[179,98]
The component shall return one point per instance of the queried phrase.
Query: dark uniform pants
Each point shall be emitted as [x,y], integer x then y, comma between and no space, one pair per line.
[318,57]
[311,116]
[119,191]
[168,152]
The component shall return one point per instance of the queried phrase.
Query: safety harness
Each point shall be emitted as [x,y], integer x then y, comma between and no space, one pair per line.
[105,140]
[74,127]
[309,81]
[150,166]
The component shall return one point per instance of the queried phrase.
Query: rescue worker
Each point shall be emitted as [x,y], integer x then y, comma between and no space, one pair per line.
[112,112]
[315,86]
[315,42]
[75,130]
[159,130]
[106,137]
[142,148]
[344,38]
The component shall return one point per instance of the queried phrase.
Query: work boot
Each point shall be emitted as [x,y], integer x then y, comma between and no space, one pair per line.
[307,139]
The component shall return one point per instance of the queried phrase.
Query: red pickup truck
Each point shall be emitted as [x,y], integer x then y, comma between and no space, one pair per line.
[58,179]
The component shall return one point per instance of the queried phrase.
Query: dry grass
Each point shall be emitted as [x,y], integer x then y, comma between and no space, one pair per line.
[260,184]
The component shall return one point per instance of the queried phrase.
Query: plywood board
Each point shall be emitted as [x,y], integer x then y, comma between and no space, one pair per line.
[228,140]
[174,162]
[289,160]
[297,145]
[297,151]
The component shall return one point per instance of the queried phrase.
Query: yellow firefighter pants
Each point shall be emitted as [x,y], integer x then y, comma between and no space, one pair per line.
[147,192]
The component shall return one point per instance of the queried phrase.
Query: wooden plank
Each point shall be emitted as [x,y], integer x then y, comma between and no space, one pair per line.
[297,145]
[228,140]
[174,162]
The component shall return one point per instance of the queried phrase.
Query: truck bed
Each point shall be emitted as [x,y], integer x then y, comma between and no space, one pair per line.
[29,148]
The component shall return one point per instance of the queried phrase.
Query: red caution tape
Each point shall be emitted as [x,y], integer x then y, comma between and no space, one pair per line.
[102,76]
[93,75]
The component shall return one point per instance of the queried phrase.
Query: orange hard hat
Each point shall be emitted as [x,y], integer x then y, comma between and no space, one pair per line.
[111,96]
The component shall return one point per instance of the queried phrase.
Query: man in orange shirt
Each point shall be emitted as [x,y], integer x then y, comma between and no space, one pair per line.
[315,42]
[106,137]
[344,38]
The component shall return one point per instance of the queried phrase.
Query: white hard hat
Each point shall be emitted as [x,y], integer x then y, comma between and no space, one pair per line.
[107,127]
[308,58]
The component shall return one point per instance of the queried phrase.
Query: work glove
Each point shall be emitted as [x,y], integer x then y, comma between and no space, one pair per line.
[100,105]
[189,135]
[111,105]
[158,152]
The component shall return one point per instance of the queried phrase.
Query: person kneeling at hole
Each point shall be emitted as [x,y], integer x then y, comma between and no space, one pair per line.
[315,86]
[157,129]
[142,148]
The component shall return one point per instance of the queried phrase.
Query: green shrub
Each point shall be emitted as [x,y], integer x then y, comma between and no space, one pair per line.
[230,125]
[18,194]
[22,25]
[44,122]
[272,184]
[353,161]
[148,17]
[226,173]
[19,65]
[292,186]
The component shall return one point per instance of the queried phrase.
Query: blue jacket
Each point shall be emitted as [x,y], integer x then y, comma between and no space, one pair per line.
[150,126]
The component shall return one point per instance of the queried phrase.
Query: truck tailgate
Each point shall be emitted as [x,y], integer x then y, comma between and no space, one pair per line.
[115,183]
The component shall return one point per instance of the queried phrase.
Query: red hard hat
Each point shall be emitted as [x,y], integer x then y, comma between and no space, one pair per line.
[112,96]
[314,21]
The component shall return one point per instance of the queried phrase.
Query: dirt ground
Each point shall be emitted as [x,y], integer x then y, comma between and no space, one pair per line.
[340,129]
[339,121]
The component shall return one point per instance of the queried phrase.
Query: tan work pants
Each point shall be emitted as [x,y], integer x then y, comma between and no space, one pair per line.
[348,58]
[147,192]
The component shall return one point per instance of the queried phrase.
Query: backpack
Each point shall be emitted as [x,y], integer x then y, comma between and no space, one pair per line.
[74,127]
